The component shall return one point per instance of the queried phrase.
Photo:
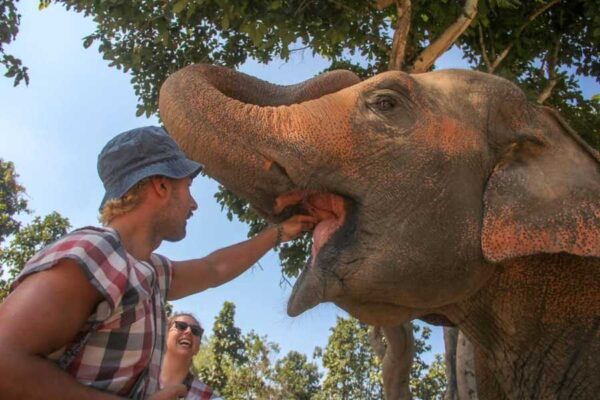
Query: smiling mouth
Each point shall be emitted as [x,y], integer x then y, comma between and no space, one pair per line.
[185,343]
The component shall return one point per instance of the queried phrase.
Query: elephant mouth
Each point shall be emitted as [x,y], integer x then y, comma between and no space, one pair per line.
[329,209]
[336,215]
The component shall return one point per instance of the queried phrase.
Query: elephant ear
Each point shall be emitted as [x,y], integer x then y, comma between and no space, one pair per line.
[544,194]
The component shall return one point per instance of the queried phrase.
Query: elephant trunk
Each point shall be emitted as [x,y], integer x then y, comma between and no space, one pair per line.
[207,108]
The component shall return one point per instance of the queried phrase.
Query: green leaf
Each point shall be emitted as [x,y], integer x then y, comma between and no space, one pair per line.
[87,41]
[43,4]
[180,6]
[225,22]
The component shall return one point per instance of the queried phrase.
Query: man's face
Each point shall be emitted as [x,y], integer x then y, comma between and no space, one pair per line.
[179,208]
[181,339]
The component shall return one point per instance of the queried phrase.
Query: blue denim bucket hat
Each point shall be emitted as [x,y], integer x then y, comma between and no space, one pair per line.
[137,154]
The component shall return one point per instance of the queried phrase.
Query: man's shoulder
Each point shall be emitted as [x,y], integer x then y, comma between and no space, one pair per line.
[91,247]
[93,231]
[87,240]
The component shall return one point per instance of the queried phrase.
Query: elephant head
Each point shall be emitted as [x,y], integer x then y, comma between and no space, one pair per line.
[423,184]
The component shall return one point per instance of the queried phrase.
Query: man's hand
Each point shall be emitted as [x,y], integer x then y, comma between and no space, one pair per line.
[297,225]
[172,392]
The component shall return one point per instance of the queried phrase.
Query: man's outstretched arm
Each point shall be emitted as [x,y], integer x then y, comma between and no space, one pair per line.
[223,265]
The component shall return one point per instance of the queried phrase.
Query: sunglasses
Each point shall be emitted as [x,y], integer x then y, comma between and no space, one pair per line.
[182,327]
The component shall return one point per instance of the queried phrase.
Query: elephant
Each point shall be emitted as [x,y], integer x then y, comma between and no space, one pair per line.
[444,196]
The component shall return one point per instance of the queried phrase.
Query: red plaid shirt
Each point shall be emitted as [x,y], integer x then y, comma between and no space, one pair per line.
[119,349]
[198,390]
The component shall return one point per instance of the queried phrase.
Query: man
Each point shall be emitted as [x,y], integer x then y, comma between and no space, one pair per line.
[85,319]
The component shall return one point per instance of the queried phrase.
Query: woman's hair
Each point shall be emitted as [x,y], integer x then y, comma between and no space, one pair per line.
[173,317]
[115,207]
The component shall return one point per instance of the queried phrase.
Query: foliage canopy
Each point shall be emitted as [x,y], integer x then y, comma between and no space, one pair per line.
[239,365]
[22,241]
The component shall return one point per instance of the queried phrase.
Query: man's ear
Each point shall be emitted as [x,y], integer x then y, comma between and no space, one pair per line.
[160,186]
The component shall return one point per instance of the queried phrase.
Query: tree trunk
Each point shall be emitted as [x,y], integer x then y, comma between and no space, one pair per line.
[465,369]
[460,366]
[427,58]
[397,357]
[401,35]
[450,342]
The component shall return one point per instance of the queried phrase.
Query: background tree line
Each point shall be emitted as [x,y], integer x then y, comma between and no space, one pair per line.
[18,241]
[245,366]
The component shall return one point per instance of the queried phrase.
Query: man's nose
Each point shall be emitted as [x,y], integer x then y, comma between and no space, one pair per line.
[194,205]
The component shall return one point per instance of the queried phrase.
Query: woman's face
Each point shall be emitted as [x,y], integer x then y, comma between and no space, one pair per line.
[182,341]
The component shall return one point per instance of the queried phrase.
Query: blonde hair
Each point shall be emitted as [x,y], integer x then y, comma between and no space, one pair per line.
[116,207]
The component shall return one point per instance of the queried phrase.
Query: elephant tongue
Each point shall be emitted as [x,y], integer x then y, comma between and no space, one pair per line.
[329,210]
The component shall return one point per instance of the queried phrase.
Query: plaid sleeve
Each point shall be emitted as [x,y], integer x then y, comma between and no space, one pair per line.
[164,271]
[99,255]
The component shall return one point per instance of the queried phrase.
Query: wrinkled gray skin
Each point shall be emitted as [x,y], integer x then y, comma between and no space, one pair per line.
[464,203]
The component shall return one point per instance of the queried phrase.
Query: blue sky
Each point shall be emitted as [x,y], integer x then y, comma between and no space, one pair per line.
[54,128]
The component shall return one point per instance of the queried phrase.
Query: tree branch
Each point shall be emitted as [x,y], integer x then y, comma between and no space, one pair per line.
[381,4]
[428,56]
[484,55]
[401,35]
[299,49]
[378,41]
[518,32]
[552,60]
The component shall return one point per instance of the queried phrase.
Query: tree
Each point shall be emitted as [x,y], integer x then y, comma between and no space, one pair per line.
[433,383]
[239,365]
[252,379]
[225,347]
[296,378]
[354,370]
[23,241]
[427,382]
[9,27]
[12,201]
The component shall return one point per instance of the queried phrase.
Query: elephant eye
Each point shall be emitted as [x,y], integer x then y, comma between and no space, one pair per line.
[385,103]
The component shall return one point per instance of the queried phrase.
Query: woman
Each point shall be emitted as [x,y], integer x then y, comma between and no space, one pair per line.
[184,334]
